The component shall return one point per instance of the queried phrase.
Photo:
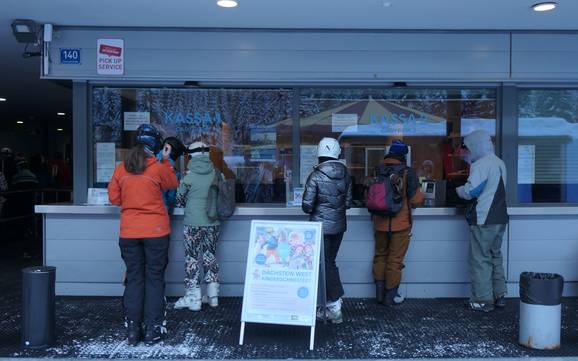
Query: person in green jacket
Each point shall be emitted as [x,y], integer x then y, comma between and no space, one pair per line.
[201,229]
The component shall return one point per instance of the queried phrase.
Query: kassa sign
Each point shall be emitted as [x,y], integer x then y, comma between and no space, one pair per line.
[110,56]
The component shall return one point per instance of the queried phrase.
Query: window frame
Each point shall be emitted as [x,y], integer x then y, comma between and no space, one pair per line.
[513,174]
[297,89]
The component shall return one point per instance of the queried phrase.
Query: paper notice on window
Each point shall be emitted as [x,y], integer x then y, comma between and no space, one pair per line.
[308,157]
[105,161]
[342,122]
[526,164]
[297,197]
[97,197]
[263,145]
[132,120]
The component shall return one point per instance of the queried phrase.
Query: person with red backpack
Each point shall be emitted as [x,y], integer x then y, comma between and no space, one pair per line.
[390,198]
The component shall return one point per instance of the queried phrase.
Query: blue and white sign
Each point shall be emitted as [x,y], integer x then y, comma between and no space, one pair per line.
[69,56]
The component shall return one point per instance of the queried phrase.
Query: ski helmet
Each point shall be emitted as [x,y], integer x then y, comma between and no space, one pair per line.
[197,149]
[328,147]
[149,136]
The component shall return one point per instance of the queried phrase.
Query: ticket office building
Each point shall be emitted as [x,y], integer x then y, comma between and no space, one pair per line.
[264,99]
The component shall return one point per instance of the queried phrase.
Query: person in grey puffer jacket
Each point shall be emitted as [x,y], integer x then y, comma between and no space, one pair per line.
[327,196]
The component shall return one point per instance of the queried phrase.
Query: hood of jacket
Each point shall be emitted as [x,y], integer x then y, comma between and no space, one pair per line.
[334,169]
[200,165]
[479,143]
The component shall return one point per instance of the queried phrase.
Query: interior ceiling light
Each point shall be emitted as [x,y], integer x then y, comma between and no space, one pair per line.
[61,114]
[545,6]
[227,3]
[59,129]
[2,99]
[19,122]
[25,31]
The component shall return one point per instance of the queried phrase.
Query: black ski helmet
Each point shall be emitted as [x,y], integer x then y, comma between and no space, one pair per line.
[149,136]
[177,147]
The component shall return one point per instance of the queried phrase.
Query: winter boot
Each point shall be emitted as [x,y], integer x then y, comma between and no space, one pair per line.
[213,294]
[191,300]
[133,332]
[500,302]
[392,297]
[334,311]
[154,334]
[480,306]
[379,291]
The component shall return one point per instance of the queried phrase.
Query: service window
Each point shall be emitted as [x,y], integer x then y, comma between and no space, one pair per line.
[249,132]
[431,121]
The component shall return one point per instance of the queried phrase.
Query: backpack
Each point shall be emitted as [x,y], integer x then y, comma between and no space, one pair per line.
[221,192]
[386,191]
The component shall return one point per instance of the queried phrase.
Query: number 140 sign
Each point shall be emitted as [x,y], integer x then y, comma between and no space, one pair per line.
[69,56]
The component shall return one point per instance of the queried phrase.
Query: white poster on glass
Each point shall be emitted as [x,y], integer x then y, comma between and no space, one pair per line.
[105,161]
[282,273]
[308,157]
[526,164]
[132,120]
[340,122]
[97,197]
[263,144]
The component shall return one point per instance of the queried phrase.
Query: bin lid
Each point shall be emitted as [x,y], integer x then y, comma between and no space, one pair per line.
[39,269]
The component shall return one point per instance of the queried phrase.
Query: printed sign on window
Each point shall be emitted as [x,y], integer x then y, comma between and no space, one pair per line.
[105,161]
[526,164]
[110,56]
[341,122]
[132,120]
[308,155]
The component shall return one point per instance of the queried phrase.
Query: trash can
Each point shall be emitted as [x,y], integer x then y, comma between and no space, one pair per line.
[540,310]
[38,297]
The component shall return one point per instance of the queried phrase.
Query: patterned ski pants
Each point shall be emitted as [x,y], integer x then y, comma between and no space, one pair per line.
[201,245]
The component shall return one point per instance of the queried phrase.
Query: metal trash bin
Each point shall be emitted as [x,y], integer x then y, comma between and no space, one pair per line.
[38,306]
[540,310]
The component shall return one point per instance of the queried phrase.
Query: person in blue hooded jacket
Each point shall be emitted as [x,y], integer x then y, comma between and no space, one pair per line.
[487,216]
[177,150]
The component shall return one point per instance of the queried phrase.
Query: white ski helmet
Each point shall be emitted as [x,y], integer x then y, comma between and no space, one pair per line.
[197,149]
[328,147]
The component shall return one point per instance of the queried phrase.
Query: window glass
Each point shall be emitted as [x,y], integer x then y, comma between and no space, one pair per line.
[548,146]
[365,121]
[249,132]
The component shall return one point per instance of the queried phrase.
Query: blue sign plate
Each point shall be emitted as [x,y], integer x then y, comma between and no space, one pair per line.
[69,56]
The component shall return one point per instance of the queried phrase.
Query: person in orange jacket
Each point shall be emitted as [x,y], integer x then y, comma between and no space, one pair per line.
[137,186]
[392,234]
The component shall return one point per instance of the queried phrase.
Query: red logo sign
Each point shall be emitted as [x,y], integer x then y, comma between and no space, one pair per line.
[110,50]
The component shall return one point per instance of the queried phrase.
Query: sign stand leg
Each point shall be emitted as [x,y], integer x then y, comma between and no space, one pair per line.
[322,281]
[242,336]
[312,338]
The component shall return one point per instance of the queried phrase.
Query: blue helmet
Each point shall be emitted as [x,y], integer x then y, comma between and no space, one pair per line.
[150,137]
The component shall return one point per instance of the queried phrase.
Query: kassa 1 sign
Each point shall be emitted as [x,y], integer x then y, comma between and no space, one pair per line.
[110,56]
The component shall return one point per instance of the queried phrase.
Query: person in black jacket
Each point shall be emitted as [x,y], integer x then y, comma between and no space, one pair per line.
[327,196]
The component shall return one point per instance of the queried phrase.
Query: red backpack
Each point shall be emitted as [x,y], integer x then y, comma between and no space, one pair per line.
[386,191]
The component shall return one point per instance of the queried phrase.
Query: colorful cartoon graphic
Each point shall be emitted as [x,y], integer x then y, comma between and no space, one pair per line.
[284,247]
